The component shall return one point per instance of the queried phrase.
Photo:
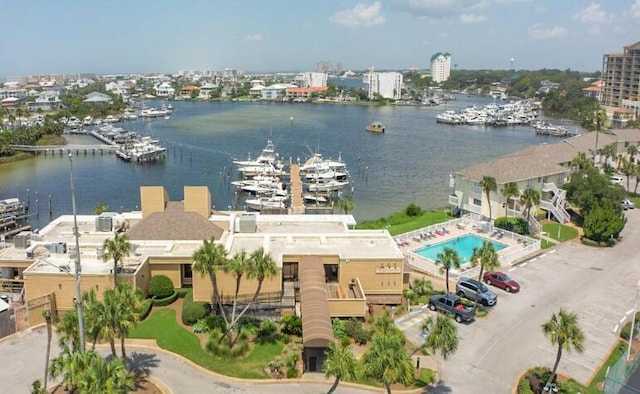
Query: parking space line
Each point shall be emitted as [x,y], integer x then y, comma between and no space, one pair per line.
[615,329]
[533,259]
[524,264]
[630,311]
[542,255]
[513,269]
[623,319]
[552,251]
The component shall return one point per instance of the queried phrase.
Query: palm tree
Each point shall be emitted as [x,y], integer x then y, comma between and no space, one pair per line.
[529,198]
[607,151]
[87,372]
[485,256]
[628,169]
[488,184]
[443,335]
[448,259]
[116,249]
[47,318]
[94,317]
[261,267]
[636,174]
[422,287]
[129,303]
[581,161]
[346,204]
[237,266]
[100,208]
[387,361]
[110,314]
[563,330]
[67,330]
[632,150]
[207,260]
[384,325]
[509,190]
[339,362]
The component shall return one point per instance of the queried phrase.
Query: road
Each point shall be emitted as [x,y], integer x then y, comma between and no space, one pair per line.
[599,284]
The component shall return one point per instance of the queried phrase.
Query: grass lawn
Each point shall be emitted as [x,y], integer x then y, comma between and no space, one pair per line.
[400,223]
[163,327]
[566,232]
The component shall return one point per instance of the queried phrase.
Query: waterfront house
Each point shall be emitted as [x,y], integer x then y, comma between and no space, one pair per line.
[545,167]
[165,90]
[206,90]
[189,91]
[46,101]
[97,98]
[275,91]
[303,93]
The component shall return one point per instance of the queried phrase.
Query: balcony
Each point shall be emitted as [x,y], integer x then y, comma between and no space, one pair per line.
[454,200]
[347,301]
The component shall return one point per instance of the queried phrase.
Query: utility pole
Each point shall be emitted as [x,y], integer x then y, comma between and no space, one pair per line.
[78,268]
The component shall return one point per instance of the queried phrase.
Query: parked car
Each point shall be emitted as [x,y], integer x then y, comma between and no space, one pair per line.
[501,280]
[627,204]
[476,291]
[451,303]
[616,180]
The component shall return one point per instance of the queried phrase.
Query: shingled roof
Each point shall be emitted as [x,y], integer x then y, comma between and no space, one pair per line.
[174,224]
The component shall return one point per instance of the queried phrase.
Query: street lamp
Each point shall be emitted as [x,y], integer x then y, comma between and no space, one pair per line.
[633,322]
[77,259]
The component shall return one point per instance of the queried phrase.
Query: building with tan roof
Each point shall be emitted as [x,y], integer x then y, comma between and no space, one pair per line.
[545,167]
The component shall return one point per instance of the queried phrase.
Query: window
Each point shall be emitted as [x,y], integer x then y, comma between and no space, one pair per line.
[477,202]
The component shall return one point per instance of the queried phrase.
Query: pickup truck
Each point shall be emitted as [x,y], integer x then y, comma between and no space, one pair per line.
[450,303]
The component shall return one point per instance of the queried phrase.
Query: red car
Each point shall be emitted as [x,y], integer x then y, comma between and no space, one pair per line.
[501,280]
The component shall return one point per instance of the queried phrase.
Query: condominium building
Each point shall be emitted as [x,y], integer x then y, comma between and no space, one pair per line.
[621,83]
[440,66]
[311,80]
[385,84]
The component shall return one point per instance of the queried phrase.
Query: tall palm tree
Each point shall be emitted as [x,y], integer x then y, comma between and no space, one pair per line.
[488,184]
[443,335]
[607,151]
[207,260]
[636,174]
[384,325]
[387,361]
[339,362]
[529,198]
[485,256]
[116,249]
[563,330]
[448,259]
[261,267]
[47,319]
[628,169]
[94,315]
[67,329]
[237,266]
[129,303]
[509,190]
[111,314]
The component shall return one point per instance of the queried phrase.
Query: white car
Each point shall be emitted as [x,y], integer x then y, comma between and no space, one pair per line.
[627,204]
[616,180]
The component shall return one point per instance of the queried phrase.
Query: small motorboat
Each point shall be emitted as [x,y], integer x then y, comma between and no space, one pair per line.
[376,127]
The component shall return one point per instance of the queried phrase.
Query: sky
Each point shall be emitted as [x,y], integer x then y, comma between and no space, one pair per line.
[121,36]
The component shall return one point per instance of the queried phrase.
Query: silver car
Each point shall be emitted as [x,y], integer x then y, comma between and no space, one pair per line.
[476,291]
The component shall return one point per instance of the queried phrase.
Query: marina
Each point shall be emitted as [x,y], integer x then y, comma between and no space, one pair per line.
[202,139]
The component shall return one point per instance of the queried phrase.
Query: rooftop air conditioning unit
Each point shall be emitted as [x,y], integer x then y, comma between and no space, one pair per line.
[247,224]
[104,223]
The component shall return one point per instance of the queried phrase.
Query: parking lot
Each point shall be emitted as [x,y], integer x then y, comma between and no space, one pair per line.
[599,284]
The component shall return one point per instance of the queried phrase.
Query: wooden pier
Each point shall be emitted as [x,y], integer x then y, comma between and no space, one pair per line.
[65,149]
[297,205]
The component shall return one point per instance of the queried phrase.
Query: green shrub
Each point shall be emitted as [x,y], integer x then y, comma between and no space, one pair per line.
[626,329]
[266,330]
[354,329]
[513,224]
[339,329]
[193,311]
[571,386]
[524,386]
[160,286]
[292,373]
[345,341]
[292,325]
[221,348]
[145,309]
[413,210]
[247,323]
[166,300]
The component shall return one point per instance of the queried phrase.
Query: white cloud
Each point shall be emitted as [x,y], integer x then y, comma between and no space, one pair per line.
[472,18]
[360,15]
[635,10]
[254,37]
[538,33]
[439,9]
[592,14]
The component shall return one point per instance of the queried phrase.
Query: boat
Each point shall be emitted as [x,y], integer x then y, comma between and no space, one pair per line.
[153,113]
[317,164]
[111,119]
[267,156]
[87,121]
[332,185]
[377,127]
[315,198]
[273,202]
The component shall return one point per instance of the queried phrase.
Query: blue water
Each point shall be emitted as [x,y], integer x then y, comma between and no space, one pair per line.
[464,245]
[410,162]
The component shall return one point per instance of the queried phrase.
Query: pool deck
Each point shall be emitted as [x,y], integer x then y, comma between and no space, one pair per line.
[517,245]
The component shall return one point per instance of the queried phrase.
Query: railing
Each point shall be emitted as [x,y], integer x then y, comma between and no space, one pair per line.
[61,148]
[454,200]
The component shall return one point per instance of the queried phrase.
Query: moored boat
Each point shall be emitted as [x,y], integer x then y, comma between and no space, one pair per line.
[377,127]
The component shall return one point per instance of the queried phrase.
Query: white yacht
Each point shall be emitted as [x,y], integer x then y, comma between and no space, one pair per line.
[260,203]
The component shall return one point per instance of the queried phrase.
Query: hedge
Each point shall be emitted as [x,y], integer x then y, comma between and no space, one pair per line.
[160,286]
[166,300]
[515,225]
[145,308]
[193,311]
[182,292]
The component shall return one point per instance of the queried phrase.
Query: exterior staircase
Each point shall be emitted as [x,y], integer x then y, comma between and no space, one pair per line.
[556,204]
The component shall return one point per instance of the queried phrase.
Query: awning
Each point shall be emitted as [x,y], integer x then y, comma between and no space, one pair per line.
[314,305]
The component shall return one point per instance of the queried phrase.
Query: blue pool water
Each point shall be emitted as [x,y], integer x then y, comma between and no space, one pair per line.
[463,244]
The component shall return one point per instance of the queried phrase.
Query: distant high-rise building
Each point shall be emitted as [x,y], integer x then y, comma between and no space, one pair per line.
[311,79]
[324,67]
[386,84]
[620,73]
[440,66]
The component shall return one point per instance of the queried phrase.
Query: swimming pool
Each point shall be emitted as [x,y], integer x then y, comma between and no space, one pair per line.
[463,244]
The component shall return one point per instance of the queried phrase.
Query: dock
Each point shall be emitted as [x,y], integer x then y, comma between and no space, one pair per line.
[297,206]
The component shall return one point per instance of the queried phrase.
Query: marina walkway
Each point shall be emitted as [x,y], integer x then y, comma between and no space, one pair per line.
[297,206]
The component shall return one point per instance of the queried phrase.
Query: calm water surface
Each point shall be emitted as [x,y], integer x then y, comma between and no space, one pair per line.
[410,162]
